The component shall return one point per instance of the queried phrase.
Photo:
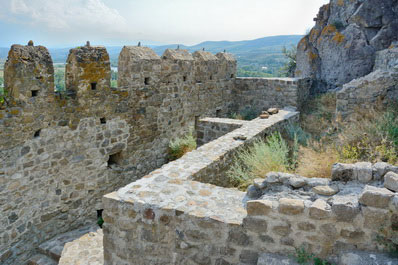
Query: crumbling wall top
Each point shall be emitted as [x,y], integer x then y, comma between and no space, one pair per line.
[28,72]
[178,54]
[225,56]
[204,56]
[88,54]
[137,53]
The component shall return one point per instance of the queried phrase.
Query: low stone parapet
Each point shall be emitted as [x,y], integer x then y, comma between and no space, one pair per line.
[173,216]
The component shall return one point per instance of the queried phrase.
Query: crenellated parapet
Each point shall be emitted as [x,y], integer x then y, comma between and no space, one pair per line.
[87,69]
[138,67]
[28,73]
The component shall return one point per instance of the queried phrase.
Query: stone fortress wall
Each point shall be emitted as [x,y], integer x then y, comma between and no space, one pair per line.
[175,216]
[61,152]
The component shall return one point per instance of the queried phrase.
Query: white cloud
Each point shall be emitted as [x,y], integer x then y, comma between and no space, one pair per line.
[62,22]
[65,16]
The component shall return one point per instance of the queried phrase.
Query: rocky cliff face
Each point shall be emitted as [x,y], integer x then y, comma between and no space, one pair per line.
[342,45]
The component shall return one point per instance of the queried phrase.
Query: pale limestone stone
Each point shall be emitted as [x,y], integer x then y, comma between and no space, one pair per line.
[375,218]
[291,206]
[259,207]
[325,190]
[273,110]
[345,208]
[391,181]
[363,172]
[375,197]
[297,182]
[320,210]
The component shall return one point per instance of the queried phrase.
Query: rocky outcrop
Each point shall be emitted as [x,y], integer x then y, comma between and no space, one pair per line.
[343,43]
[379,88]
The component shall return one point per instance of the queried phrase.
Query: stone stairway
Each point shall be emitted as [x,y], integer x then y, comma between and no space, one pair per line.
[50,252]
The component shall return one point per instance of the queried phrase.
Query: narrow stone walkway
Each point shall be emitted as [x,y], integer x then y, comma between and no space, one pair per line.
[77,247]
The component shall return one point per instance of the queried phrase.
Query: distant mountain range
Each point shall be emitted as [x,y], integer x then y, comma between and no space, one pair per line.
[258,53]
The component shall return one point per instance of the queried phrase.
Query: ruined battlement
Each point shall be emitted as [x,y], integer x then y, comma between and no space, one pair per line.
[62,151]
[28,72]
[87,68]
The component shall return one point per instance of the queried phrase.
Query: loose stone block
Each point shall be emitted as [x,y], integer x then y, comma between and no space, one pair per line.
[363,172]
[325,190]
[291,206]
[297,182]
[391,181]
[259,207]
[320,210]
[273,110]
[345,208]
[342,172]
[253,192]
[381,168]
[375,197]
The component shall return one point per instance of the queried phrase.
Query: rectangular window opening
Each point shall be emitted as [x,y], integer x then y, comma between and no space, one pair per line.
[184,78]
[35,93]
[232,76]
[115,159]
[218,113]
[93,86]
[102,120]
[146,80]
[196,122]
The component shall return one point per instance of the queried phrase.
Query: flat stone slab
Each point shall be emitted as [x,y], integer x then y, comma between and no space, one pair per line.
[88,249]
[275,259]
[54,247]
[325,190]
[366,258]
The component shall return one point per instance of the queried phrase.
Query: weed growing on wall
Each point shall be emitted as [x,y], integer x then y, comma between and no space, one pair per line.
[305,258]
[271,154]
[180,146]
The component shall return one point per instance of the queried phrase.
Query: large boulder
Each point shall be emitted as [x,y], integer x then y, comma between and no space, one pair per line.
[343,43]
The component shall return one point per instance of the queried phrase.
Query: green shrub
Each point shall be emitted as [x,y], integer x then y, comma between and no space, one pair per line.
[180,146]
[246,114]
[370,136]
[295,132]
[262,157]
[303,257]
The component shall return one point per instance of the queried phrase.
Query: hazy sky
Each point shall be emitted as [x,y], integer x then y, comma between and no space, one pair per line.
[61,23]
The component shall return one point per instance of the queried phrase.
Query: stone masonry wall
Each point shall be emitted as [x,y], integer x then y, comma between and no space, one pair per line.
[174,217]
[61,152]
[263,93]
[174,220]
[209,129]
